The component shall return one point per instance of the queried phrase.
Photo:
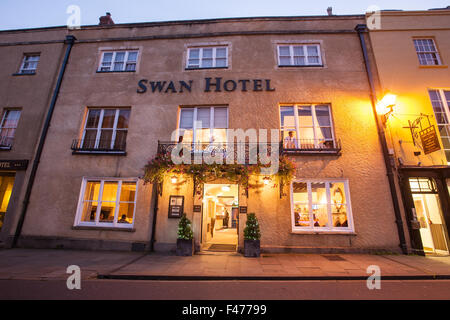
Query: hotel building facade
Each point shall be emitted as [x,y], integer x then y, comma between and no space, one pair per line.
[130,91]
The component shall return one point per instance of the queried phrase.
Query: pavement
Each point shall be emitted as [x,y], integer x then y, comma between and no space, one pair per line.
[34,264]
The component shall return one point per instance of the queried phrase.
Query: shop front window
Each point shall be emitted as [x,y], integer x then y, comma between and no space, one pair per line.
[6,186]
[440,99]
[107,203]
[321,206]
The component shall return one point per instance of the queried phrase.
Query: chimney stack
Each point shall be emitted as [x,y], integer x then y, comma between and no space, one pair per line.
[106,20]
[330,11]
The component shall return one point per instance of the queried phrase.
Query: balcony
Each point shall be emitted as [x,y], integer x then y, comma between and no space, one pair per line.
[95,146]
[241,152]
[6,143]
[311,147]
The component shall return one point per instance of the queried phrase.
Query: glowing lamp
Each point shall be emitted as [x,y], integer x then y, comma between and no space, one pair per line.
[174,179]
[385,106]
[266,180]
[226,188]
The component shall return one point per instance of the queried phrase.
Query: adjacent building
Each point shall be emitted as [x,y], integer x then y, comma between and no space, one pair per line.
[412,53]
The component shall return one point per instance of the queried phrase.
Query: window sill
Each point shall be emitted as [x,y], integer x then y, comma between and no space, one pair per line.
[302,66]
[23,74]
[5,148]
[124,71]
[434,67]
[96,228]
[206,68]
[301,152]
[100,153]
[325,232]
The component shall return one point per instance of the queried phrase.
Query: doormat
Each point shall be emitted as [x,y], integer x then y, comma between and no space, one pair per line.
[222,247]
[334,258]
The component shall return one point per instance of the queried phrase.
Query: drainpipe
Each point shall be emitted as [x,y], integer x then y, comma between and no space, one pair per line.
[361,29]
[70,39]
[155,212]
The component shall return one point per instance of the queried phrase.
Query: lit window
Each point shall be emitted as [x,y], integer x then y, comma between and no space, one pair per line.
[440,99]
[203,125]
[427,52]
[208,57]
[118,61]
[299,55]
[6,187]
[107,203]
[422,185]
[105,130]
[307,127]
[8,127]
[29,64]
[320,206]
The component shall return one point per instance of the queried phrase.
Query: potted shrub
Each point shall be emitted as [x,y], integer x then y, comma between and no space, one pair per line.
[185,243]
[252,236]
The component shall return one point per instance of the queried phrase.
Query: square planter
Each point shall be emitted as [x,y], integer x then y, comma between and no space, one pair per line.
[252,248]
[185,247]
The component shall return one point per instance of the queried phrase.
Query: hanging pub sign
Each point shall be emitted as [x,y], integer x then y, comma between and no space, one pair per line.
[430,140]
[176,206]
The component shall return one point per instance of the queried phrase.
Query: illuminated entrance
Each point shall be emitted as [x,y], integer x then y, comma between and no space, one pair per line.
[6,186]
[220,217]
[429,215]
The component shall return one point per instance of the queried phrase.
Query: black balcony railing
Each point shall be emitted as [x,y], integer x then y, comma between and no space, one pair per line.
[243,153]
[305,146]
[93,145]
[6,142]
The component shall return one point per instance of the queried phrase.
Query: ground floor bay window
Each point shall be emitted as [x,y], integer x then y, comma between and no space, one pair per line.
[321,205]
[107,203]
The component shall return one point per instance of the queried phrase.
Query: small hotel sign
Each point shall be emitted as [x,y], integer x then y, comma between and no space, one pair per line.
[13,164]
[209,85]
[430,141]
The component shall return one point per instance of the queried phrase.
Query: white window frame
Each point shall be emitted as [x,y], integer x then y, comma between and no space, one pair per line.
[446,107]
[329,229]
[24,70]
[305,54]
[99,127]
[200,57]
[113,60]
[194,125]
[97,223]
[6,111]
[436,52]
[315,125]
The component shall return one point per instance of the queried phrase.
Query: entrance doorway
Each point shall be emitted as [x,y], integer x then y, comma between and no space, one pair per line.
[429,215]
[220,217]
[6,186]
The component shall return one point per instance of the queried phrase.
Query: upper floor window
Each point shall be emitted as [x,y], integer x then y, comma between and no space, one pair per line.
[107,203]
[8,127]
[29,64]
[427,52]
[440,99]
[118,61]
[307,127]
[203,125]
[104,130]
[207,57]
[299,55]
[321,205]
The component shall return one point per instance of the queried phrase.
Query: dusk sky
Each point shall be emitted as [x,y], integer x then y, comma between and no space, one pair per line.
[16,14]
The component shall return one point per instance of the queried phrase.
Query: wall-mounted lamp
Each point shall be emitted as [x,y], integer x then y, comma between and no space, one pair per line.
[386,106]
[174,179]
[266,180]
